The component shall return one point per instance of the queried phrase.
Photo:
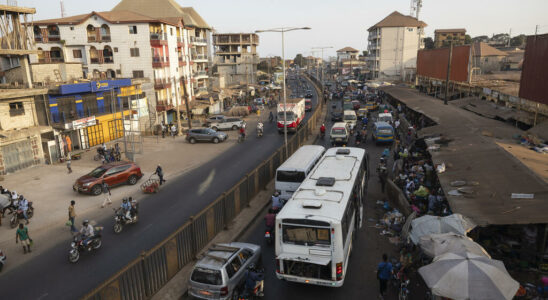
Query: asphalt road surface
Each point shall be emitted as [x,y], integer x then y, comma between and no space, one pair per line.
[360,282]
[51,276]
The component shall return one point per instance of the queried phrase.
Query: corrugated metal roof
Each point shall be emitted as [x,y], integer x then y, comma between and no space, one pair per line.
[396,19]
[111,17]
[534,73]
[348,49]
[482,49]
[459,30]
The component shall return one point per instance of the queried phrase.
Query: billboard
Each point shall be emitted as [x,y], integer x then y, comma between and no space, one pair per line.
[433,63]
[534,74]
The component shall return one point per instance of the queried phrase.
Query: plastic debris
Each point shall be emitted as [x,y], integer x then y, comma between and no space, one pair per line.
[440,168]
[454,193]
[458,183]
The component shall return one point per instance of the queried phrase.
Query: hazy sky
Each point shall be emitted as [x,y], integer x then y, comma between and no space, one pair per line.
[336,23]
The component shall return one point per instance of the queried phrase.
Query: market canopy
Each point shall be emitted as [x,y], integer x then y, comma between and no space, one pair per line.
[428,224]
[440,243]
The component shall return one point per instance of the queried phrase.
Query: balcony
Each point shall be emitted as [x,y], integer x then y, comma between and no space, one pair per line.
[373,36]
[160,84]
[197,57]
[94,60]
[158,39]
[197,40]
[181,62]
[38,38]
[160,62]
[199,74]
[92,39]
[163,105]
[108,60]
[179,42]
[200,90]
[54,38]
[57,59]
[105,38]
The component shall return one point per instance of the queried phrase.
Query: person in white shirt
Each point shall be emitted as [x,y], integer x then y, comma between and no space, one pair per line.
[87,232]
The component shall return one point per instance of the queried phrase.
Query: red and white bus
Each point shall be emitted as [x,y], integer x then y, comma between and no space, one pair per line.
[294,114]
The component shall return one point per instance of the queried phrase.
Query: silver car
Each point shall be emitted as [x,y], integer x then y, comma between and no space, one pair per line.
[221,271]
[227,124]
[205,135]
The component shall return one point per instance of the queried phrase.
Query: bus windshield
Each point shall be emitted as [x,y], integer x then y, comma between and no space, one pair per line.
[290,176]
[306,235]
[288,114]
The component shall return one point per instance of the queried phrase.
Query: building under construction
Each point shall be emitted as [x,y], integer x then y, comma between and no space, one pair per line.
[236,58]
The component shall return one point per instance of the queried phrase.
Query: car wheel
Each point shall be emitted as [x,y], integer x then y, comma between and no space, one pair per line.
[215,128]
[215,140]
[96,190]
[132,180]
[235,127]
[192,140]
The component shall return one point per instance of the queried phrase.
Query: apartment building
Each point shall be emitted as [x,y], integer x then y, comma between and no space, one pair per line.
[131,41]
[442,37]
[236,58]
[392,45]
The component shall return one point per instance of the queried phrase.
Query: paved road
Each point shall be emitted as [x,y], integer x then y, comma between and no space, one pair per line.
[360,282]
[51,276]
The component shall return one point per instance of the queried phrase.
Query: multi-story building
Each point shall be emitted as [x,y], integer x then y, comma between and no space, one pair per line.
[392,45]
[236,58]
[347,53]
[158,40]
[442,37]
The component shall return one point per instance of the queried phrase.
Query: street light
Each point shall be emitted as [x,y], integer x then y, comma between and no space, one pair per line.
[328,47]
[283,30]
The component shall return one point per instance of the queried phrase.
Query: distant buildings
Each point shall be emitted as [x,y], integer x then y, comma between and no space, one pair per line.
[486,59]
[443,37]
[347,53]
[236,58]
[392,44]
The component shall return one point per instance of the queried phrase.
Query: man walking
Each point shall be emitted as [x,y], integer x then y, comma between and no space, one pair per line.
[384,270]
[106,193]
[160,174]
[69,160]
[72,215]
[22,234]
[173,130]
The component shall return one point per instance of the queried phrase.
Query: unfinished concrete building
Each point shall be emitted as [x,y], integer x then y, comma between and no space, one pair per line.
[236,58]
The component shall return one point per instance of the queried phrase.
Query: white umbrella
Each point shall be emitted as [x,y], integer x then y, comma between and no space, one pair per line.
[437,244]
[426,225]
[469,276]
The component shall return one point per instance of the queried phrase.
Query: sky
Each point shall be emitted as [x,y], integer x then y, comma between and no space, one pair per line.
[334,23]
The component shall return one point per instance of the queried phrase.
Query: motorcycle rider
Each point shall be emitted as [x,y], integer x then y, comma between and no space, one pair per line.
[24,206]
[270,220]
[242,132]
[276,202]
[87,232]
[322,130]
[252,280]
[126,208]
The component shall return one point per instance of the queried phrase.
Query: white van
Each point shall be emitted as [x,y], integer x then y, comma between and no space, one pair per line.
[385,117]
[350,118]
[295,169]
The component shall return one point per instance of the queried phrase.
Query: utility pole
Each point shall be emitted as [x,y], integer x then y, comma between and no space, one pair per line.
[187,97]
[177,100]
[448,72]
[509,37]
[536,29]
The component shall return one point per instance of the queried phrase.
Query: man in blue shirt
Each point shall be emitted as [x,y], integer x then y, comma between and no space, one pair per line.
[384,270]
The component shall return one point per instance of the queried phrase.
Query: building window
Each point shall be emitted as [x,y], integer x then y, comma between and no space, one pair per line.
[115,49]
[16,109]
[132,29]
[138,74]
[71,27]
[410,29]
[134,52]
[118,72]
[77,53]
[171,31]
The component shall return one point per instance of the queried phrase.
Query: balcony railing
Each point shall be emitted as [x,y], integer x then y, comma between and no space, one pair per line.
[158,39]
[54,37]
[199,57]
[38,38]
[194,39]
[108,59]
[159,61]
[94,60]
[91,38]
[162,83]
[105,38]
[57,60]
[179,42]
[163,105]
[200,90]
[181,62]
[199,74]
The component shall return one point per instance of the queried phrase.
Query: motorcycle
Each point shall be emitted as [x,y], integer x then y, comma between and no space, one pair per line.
[269,235]
[244,294]
[77,245]
[2,260]
[120,220]
[18,215]
[259,132]
[404,291]
[241,138]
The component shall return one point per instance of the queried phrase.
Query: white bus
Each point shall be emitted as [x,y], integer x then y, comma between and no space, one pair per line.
[295,169]
[316,228]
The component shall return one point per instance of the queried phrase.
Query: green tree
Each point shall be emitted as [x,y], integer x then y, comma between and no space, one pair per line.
[480,38]
[299,60]
[428,43]
[518,41]
[467,39]
[365,53]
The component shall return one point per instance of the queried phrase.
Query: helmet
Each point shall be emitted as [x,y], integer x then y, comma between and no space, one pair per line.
[251,266]
[85,223]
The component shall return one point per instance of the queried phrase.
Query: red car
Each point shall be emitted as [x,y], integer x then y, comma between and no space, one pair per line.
[113,174]
[356,104]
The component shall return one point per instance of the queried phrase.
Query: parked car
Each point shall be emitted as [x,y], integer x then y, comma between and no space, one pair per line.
[205,135]
[220,273]
[227,124]
[116,173]
[213,119]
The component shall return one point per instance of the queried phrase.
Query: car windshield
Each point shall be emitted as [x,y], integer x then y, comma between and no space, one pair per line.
[350,117]
[209,130]
[98,172]
[338,131]
[207,276]
[385,131]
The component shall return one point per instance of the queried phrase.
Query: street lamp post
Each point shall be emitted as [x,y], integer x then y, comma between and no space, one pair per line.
[283,30]
[323,61]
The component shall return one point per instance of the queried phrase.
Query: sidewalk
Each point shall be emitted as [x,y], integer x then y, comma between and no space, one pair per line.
[49,187]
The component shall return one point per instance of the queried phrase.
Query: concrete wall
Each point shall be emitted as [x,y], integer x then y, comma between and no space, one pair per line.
[398,51]
[8,122]
[45,72]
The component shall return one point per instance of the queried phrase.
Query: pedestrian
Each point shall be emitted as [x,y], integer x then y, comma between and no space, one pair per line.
[72,215]
[22,234]
[384,270]
[173,130]
[106,193]
[69,160]
[383,175]
[160,173]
